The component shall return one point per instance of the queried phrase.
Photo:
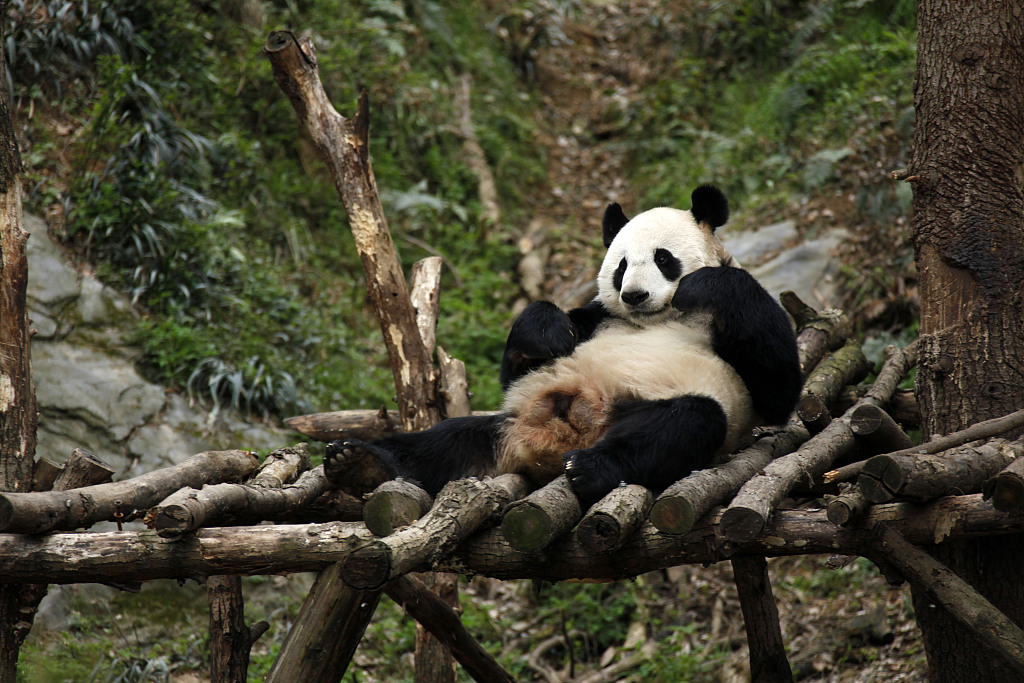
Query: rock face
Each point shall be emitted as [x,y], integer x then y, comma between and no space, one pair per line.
[89,392]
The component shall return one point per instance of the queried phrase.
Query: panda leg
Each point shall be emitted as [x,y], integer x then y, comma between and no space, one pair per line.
[651,443]
[452,449]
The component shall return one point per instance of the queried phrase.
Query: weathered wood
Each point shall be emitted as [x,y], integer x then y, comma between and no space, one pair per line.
[326,632]
[442,621]
[460,509]
[86,557]
[356,424]
[1006,489]
[875,431]
[454,389]
[980,430]
[282,466]
[956,596]
[425,295]
[749,512]
[42,511]
[395,504]
[848,365]
[903,406]
[679,506]
[818,333]
[188,509]
[231,639]
[330,506]
[343,144]
[813,412]
[433,661]
[847,506]
[768,660]
[82,468]
[546,514]
[45,473]
[613,519]
[923,477]
[18,408]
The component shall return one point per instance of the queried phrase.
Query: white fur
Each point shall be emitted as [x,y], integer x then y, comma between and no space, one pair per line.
[651,351]
[694,244]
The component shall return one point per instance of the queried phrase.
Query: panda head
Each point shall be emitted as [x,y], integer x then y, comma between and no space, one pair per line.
[648,255]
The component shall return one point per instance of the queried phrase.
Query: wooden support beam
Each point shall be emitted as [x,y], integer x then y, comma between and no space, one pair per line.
[768,660]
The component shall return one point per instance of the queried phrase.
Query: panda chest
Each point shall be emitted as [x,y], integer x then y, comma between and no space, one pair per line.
[622,361]
[658,362]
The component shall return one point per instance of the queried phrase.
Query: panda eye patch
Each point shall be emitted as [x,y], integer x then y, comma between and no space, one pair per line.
[669,265]
[619,273]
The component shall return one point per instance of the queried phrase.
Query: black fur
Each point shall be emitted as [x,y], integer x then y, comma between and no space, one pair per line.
[751,333]
[452,449]
[651,443]
[710,206]
[542,333]
[671,267]
[614,219]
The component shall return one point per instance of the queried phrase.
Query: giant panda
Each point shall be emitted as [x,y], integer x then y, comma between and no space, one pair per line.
[678,356]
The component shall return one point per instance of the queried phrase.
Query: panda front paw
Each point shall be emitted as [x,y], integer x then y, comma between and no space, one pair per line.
[592,474]
[356,467]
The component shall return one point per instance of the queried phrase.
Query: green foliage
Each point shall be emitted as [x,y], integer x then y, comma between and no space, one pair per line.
[767,81]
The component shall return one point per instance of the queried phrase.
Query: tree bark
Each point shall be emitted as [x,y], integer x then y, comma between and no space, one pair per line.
[42,511]
[968,231]
[17,395]
[230,638]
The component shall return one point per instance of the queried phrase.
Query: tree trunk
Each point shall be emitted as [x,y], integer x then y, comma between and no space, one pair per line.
[17,395]
[968,229]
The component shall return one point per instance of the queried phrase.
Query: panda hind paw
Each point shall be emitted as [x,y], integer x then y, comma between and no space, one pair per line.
[591,474]
[355,466]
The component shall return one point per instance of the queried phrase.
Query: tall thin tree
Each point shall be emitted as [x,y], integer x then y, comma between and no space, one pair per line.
[17,395]
[967,170]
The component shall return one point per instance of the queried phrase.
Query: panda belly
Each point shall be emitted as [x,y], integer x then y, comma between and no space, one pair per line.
[565,406]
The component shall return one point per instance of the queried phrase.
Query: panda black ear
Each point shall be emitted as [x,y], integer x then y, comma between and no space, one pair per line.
[709,206]
[614,219]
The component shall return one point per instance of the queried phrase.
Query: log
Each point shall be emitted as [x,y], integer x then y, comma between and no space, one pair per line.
[980,430]
[768,660]
[848,365]
[395,504]
[546,514]
[924,477]
[875,431]
[813,412]
[847,506]
[441,620]
[42,511]
[902,406]
[84,557]
[1006,489]
[752,507]
[45,473]
[189,509]
[366,425]
[330,506]
[454,390]
[679,506]
[818,333]
[326,632]
[231,639]
[282,466]
[460,509]
[956,596]
[613,519]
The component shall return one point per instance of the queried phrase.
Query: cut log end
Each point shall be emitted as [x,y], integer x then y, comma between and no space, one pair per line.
[672,515]
[742,524]
[527,527]
[393,505]
[368,568]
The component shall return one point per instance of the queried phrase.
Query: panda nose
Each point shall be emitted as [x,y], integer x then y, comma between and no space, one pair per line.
[635,296]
